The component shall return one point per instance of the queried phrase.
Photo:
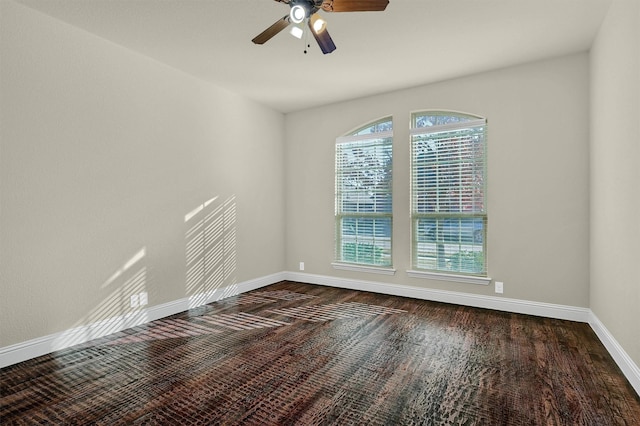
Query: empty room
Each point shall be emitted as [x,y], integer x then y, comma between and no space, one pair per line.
[320,212]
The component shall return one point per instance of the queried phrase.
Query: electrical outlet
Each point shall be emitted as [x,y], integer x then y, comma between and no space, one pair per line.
[302,266]
[144,298]
[499,287]
[135,300]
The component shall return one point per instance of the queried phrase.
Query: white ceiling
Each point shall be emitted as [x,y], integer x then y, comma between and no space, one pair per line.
[413,42]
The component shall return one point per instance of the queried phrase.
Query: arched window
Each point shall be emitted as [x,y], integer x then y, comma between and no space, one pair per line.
[363,198]
[448,185]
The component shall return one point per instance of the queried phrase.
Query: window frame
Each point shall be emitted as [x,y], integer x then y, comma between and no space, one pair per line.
[452,122]
[375,135]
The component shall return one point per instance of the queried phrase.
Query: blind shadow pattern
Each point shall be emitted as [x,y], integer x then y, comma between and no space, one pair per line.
[115,311]
[335,311]
[210,249]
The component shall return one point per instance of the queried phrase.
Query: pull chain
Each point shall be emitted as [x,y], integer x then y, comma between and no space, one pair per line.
[306,37]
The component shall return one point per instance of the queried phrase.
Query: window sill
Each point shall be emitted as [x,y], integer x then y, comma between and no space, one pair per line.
[362,268]
[466,279]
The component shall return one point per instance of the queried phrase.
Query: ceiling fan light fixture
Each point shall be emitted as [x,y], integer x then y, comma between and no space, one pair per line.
[297,14]
[323,38]
[297,32]
[318,24]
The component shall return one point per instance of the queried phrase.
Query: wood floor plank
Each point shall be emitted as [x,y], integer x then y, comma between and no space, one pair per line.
[300,354]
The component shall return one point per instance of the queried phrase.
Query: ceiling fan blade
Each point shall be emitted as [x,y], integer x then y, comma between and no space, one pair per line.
[323,38]
[274,29]
[354,5]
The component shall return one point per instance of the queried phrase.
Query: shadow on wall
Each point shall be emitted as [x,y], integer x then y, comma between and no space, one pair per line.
[210,239]
[120,309]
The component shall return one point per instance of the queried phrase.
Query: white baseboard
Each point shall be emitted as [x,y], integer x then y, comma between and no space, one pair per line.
[23,351]
[549,310]
[624,361]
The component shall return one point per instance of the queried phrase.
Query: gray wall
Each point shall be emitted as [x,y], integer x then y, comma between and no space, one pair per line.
[538,182]
[615,175]
[103,153]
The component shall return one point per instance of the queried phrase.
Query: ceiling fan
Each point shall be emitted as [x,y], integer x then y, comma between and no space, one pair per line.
[305,10]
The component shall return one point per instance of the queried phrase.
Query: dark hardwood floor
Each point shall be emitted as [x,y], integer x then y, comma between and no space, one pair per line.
[301,354]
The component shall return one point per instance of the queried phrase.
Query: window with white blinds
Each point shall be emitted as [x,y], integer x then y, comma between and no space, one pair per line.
[448,185]
[363,199]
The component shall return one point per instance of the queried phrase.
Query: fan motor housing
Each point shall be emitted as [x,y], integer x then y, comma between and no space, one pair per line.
[310,6]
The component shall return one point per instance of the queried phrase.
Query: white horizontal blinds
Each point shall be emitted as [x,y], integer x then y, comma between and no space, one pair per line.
[449,171]
[363,196]
[448,193]
[364,176]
